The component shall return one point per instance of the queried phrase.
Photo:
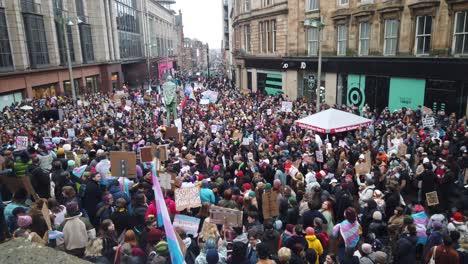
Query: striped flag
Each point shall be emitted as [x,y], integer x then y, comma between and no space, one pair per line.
[164,219]
[78,172]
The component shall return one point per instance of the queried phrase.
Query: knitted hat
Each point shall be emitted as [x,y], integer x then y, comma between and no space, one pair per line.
[292,200]
[268,186]
[60,151]
[310,231]
[436,225]
[72,209]
[212,256]
[377,216]
[216,168]
[418,208]
[24,221]
[154,235]
[252,194]
[247,186]
[366,248]
[162,248]
[457,217]
[290,227]
[240,174]
[407,219]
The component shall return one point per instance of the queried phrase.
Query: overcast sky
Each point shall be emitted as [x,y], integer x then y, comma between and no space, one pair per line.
[202,20]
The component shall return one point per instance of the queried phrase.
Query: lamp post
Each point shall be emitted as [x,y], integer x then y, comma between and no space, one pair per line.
[67,21]
[317,23]
[167,62]
[208,58]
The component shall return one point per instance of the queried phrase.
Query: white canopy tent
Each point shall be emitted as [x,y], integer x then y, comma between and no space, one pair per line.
[333,121]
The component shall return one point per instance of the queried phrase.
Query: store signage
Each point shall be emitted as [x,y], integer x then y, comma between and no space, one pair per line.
[301,65]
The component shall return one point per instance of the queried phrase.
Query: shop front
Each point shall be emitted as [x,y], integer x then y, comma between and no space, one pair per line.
[47,90]
[6,99]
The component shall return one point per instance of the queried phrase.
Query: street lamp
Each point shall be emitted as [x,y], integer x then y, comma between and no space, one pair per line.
[68,21]
[317,23]
[169,51]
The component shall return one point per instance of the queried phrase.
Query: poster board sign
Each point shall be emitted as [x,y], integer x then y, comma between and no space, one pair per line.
[286,107]
[123,164]
[187,198]
[361,169]
[119,115]
[48,143]
[187,223]
[46,214]
[368,163]
[268,112]
[21,142]
[342,143]
[166,180]
[71,133]
[146,154]
[128,102]
[246,141]
[432,198]
[214,129]
[204,101]
[225,216]
[428,122]
[160,151]
[127,108]
[319,156]
[172,132]
[402,148]
[270,204]
[178,124]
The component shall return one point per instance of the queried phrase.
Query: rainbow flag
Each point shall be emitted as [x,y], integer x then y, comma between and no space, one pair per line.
[184,102]
[164,219]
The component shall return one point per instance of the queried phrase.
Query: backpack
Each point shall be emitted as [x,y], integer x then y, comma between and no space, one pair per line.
[324,238]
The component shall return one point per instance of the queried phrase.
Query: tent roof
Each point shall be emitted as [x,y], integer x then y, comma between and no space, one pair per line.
[333,121]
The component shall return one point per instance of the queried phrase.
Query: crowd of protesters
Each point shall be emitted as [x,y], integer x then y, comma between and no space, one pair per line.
[329,212]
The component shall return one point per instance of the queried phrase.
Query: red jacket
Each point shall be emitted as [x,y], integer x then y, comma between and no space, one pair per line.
[171,208]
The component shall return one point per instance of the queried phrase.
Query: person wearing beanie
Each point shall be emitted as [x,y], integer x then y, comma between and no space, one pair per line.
[270,237]
[105,208]
[435,238]
[314,243]
[457,223]
[206,194]
[378,227]
[77,230]
[406,246]
[24,223]
[212,256]
[212,250]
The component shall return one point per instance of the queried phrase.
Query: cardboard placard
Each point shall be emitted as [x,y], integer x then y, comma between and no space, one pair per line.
[286,107]
[187,198]
[225,216]
[71,133]
[270,204]
[46,214]
[48,143]
[22,142]
[187,223]
[160,152]
[361,169]
[246,141]
[368,163]
[402,148]
[319,156]
[178,124]
[204,101]
[432,198]
[428,122]
[166,180]
[146,154]
[123,164]
[172,132]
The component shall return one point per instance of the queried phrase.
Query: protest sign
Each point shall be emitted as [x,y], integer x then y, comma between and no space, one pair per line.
[214,129]
[268,111]
[319,156]
[361,168]
[48,143]
[204,101]
[402,148]
[172,132]
[286,107]
[166,180]
[187,198]
[432,198]
[128,102]
[119,115]
[146,154]
[178,124]
[187,223]
[123,164]
[225,216]
[246,141]
[127,108]
[270,204]
[21,143]
[428,122]
[342,143]
[71,133]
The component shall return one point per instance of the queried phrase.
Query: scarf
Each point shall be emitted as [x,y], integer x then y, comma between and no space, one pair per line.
[349,232]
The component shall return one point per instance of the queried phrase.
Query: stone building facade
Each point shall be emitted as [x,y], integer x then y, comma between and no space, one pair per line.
[372,51]
[106,41]
[194,57]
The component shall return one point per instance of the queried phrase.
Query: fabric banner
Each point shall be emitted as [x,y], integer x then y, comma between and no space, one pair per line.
[187,223]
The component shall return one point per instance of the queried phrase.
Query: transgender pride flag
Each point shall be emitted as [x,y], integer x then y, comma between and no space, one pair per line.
[163,218]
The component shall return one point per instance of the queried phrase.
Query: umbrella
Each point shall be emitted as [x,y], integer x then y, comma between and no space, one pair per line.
[26,107]
[333,121]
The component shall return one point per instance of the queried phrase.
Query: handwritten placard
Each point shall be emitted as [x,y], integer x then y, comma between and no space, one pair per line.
[21,142]
[225,216]
[286,107]
[48,142]
[187,223]
[123,164]
[270,204]
[319,156]
[428,122]
[187,198]
[432,198]
[166,180]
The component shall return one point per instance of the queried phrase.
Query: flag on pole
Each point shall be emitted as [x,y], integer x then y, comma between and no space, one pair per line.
[164,219]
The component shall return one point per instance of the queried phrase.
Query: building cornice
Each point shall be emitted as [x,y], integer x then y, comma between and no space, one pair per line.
[258,14]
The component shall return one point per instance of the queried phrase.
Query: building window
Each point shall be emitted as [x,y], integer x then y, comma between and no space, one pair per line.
[460,38]
[6,60]
[273,28]
[342,38]
[364,2]
[312,41]
[364,38]
[80,9]
[390,37]
[129,31]
[423,35]
[312,5]
[261,34]
[267,2]
[28,6]
[246,5]
[36,40]
[61,43]
[343,2]
[86,43]
[268,36]
[247,38]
